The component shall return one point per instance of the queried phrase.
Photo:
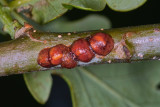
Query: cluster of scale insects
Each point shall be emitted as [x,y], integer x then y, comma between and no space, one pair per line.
[83,49]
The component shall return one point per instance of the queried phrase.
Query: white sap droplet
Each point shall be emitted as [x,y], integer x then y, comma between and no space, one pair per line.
[68,34]
[59,36]
[109,61]
[140,55]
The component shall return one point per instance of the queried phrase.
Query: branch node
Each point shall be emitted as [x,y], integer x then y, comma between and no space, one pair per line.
[27,30]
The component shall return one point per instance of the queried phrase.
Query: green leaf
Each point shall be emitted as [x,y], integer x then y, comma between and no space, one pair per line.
[63,25]
[39,85]
[125,5]
[43,11]
[114,85]
[92,5]
[46,10]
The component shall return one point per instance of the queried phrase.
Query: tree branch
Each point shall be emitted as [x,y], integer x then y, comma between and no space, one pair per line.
[130,44]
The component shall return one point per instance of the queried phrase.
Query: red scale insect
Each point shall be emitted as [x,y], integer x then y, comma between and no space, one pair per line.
[101,43]
[43,58]
[82,50]
[60,54]
[56,54]
[68,60]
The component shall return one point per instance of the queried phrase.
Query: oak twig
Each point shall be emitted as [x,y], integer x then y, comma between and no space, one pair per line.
[130,44]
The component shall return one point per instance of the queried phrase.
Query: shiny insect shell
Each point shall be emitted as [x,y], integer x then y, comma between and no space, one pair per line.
[83,49]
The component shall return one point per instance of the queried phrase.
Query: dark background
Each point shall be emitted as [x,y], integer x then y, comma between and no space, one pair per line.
[13,91]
